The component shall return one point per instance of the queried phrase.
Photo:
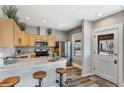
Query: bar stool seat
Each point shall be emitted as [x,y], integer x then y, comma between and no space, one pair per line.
[10,81]
[61,71]
[39,75]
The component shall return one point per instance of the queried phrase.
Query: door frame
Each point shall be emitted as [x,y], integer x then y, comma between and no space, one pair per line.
[120,49]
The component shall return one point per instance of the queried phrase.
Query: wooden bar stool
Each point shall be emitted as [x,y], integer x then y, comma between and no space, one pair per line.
[10,81]
[39,75]
[61,71]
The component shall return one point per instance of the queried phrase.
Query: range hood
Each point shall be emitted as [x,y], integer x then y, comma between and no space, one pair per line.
[42,30]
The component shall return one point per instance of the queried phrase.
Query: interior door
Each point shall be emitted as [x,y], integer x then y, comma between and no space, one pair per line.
[106,54]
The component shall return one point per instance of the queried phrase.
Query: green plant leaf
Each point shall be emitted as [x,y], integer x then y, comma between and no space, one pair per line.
[10,11]
[4,9]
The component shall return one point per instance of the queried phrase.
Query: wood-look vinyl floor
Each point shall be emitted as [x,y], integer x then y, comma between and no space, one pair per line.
[75,80]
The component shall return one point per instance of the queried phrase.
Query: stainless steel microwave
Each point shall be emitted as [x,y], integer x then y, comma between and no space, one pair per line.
[41,44]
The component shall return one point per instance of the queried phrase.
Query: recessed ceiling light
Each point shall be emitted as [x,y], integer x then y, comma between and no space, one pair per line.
[99,14]
[27,18]
[60,24]
[44,21]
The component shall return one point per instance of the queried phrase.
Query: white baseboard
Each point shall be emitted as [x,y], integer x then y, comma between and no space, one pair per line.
[121,85]
[88,74]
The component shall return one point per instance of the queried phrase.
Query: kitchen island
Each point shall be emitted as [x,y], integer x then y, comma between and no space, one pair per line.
[27,66]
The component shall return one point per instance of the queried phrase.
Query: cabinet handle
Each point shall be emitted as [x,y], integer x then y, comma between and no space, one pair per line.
[115,61]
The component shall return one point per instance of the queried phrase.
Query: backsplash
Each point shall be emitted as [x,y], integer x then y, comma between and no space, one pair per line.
[25,50]
[13,51]
[7,51]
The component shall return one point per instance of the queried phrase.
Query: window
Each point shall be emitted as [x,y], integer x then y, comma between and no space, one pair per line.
[106,44]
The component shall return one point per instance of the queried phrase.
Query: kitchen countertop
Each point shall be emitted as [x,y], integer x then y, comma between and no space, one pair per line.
[27,66]
[30,62]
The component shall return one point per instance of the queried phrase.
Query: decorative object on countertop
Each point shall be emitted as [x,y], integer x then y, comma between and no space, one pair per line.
[22,26]
[54,59]
[57,51]
[49,31]
[39,75]
[10,11]
[10,81]
[61,71]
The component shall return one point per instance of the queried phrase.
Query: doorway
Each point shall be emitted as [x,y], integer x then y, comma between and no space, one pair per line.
[106,54]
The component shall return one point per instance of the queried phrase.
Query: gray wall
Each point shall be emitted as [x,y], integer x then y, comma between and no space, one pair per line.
[60,35]
[110,20]
[32,30]
[74,31]
[86,47]
[1,14]
[7,51]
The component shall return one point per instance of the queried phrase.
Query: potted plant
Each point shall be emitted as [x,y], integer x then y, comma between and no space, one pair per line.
[10,11]
[22,26]
[49,31]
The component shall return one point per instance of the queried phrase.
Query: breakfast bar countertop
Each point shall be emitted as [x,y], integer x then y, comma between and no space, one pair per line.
[25,67]
[30,62]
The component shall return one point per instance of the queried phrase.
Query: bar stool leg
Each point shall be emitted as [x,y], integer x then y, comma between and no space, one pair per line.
[61,80]
[40,82]
[13,86]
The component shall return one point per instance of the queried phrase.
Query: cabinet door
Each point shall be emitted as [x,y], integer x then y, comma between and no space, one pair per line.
[6,33]
[23,39]
[26,39]
[17,36]
[38,38]
[32,40]
[51,41]
[44,38]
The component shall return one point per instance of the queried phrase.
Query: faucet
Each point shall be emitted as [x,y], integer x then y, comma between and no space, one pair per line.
[10,57]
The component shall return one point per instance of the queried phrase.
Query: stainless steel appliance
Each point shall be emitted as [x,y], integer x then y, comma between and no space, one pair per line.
[65,47]
[41,48]
[40,44]
[41,52]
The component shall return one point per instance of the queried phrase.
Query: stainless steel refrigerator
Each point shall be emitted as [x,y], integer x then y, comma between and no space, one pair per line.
[65,47]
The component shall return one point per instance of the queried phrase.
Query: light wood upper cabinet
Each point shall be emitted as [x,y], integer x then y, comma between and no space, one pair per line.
[32,40]
[23,39]
[38,38]
[41,38]
[17,31]
[51,41]
[12,36]
[6,33]
[44,38]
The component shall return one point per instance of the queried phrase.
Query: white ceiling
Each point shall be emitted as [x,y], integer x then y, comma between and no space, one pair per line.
[69,16]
